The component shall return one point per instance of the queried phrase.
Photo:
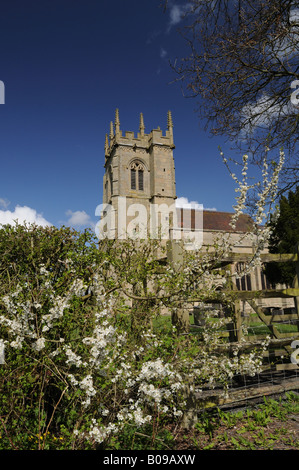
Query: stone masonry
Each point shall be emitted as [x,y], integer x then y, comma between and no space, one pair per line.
[140,168]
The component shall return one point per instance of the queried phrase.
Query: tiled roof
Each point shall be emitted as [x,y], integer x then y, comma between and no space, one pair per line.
[214,220]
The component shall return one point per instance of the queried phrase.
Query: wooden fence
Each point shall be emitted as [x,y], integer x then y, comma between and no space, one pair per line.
[269,321]
[282,343]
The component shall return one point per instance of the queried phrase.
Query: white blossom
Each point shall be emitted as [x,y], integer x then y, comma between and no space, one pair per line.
[39,344]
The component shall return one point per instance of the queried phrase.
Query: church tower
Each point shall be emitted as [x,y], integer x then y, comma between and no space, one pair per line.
[139,170]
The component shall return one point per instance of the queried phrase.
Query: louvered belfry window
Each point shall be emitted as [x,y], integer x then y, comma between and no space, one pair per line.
[133,178]
[140,180]
[137,176]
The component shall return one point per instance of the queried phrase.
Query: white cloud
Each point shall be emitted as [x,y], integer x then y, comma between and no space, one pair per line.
[176,13]
[294,16]
[78,218]
[264,112]
[22,214]
[183,202]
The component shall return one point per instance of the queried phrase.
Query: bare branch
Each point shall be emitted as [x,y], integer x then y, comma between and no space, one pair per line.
[243,59]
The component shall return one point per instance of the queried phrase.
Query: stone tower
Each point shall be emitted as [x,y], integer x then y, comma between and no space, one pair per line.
[139,173]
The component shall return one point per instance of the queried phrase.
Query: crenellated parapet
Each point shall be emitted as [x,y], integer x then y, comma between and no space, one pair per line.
[142,140]
[139,169]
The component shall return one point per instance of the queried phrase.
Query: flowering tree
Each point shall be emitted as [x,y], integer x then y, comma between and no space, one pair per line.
[86,354]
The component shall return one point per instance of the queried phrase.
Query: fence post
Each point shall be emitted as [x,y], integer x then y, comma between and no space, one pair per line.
[235,327]
[180,314]
[237,312]
[296,281]
[238,321]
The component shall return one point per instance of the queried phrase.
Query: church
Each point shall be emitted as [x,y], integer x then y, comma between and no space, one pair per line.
[140,176]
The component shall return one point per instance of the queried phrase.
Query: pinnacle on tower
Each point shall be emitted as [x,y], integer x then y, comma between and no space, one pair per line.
[106,145]
[141,125]
[117,123]
[169,120]
[170,126]
[111,130]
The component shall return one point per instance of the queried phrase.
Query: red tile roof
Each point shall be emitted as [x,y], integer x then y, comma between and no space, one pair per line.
[214,220]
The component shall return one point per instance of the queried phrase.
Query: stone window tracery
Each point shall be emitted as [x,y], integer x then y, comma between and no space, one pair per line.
[137,176]
[243,283]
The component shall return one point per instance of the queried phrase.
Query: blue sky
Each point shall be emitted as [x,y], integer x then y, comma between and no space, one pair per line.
[66,66]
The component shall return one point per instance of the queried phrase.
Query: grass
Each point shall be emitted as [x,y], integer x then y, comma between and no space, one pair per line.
[269,426]
[255,327]
[272,425]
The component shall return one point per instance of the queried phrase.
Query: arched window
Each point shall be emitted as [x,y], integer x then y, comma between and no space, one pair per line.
[243,282]
[137,176]
[133,178]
